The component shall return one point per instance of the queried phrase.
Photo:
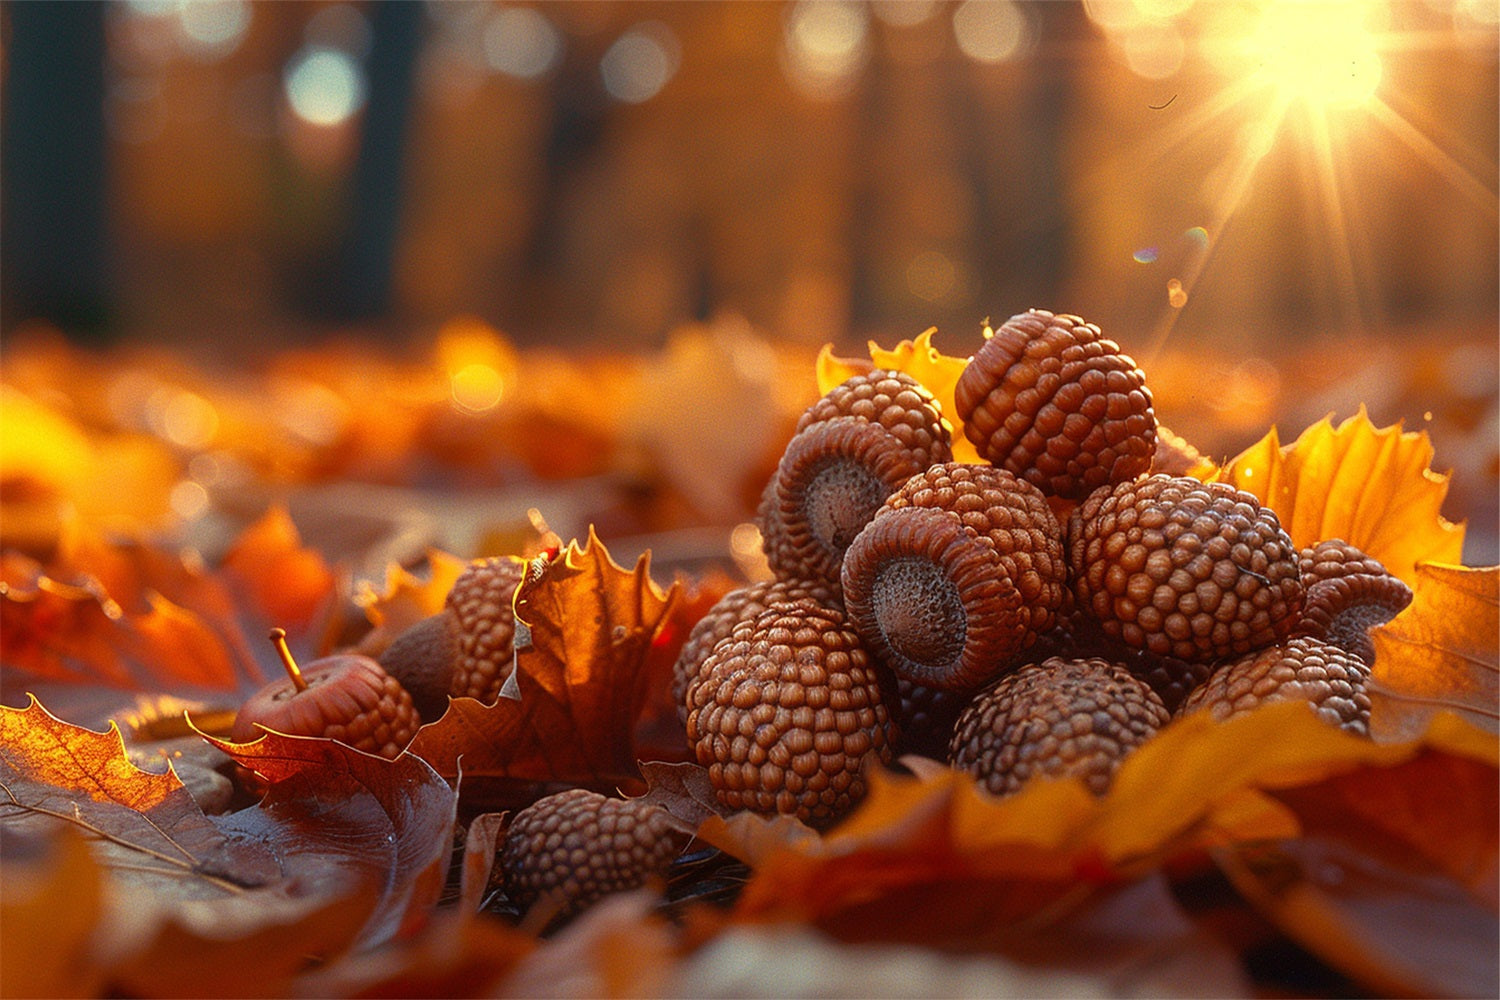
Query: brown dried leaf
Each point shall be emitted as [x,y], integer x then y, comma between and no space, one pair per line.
[682,789]
[1371,486]
[582,680]
[481,842]
[1440,654]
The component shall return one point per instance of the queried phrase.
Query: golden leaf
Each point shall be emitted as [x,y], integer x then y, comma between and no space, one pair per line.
[1371,486]
[1440,653]
[406,599]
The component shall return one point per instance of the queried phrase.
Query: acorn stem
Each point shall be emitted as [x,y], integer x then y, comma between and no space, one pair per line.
[278,636]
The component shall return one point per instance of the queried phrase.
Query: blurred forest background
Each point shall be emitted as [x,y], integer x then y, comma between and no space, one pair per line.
[1281,208]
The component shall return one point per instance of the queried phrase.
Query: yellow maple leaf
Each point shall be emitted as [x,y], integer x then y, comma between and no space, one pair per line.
[1440,653]
[1371,486]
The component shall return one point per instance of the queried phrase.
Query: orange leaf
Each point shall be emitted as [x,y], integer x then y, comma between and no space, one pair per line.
[407,599]
[1439,654]
[582,682]
[48,914]
[1371,486]
[288,583]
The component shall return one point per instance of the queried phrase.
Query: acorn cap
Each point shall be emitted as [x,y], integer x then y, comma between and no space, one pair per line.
[348,698]
[956,574]
[1182,568]
[1330,679]
[1348,594]
[481,601]
[734,607]
[832,478]
[898,403]
[577,846]
[786,710]
[1058,718]
[1049,398]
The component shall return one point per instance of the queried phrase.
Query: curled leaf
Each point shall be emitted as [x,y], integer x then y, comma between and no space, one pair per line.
[1440,654]
[1371,486]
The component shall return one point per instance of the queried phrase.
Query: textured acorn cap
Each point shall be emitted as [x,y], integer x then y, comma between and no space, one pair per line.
[1078,635]
[832,478]
[1348,594]
[1058,718]
[898,403]
[481,600]
[349,698]
[957,573]
[577,846]
[786,710]
[1049,398]
[731,609]
[1330,679]
[1182,568]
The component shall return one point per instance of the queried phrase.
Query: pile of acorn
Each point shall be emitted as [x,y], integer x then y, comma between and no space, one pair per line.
[1042,613]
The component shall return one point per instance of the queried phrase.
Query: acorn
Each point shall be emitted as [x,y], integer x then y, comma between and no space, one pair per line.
[1051,399]
[345,697]
[957,573]
[1182,568]
[851,449]
[465,650]
[734,607]
[1058,718]
[1348,594]
[577,846]
[925,718]
[1331,680]
[786,711]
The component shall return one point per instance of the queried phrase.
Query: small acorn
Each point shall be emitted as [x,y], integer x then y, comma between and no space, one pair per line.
[345,697]
[1057,718]
[1078,635]
[1051,399]
[465,650]
[1183,568]
[1331,680]
[786,711]
[577,846]
[957,573]
[1348,594]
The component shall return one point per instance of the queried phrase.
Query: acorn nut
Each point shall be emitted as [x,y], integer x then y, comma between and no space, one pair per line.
[345,697]
[1183,568]
[1330,679]
[577,846]
[1051,399]
[1348,594]
[786,710]
[1057,718]
[465,650]
[734,607]
[1078,635]
[957,573]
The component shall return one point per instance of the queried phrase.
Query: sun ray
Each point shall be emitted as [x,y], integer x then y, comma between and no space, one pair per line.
[1436,157]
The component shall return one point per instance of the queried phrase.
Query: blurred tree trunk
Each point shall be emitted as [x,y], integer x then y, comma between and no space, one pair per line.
[366,254]
[53,205]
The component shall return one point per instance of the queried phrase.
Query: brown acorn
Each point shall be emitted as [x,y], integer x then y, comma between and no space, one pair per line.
[787,710]
[731,609]
[1051,399]
[345,697]
[958,572]
[465,650]
[1057,718]
[1348,594]
[1331,680]
[1079,635]
[577,846]
[1182,568]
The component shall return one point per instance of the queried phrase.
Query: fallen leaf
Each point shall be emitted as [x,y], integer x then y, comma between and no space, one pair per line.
[406,598]
[50,905]
[481,842]
[1397,930]
[582,681]
[1371,486]
[682,789]
[618,947]
[1439,654]
[286,583]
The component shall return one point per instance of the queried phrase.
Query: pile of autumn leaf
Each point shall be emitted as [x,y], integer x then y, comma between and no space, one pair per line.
[1224,855]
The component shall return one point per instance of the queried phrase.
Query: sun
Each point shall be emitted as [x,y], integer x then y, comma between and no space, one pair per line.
[1324,54]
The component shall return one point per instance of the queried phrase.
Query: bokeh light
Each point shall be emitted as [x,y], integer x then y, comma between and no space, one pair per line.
[521,42]
[324,86]
[211,29]
[640,62]
[991,31]
[826,43]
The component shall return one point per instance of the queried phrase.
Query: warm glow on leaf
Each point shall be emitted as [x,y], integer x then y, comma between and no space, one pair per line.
[49,913]
[406,598]
[833,370]
[288,583]
[1371,486]
[583,683]
[1441,654]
